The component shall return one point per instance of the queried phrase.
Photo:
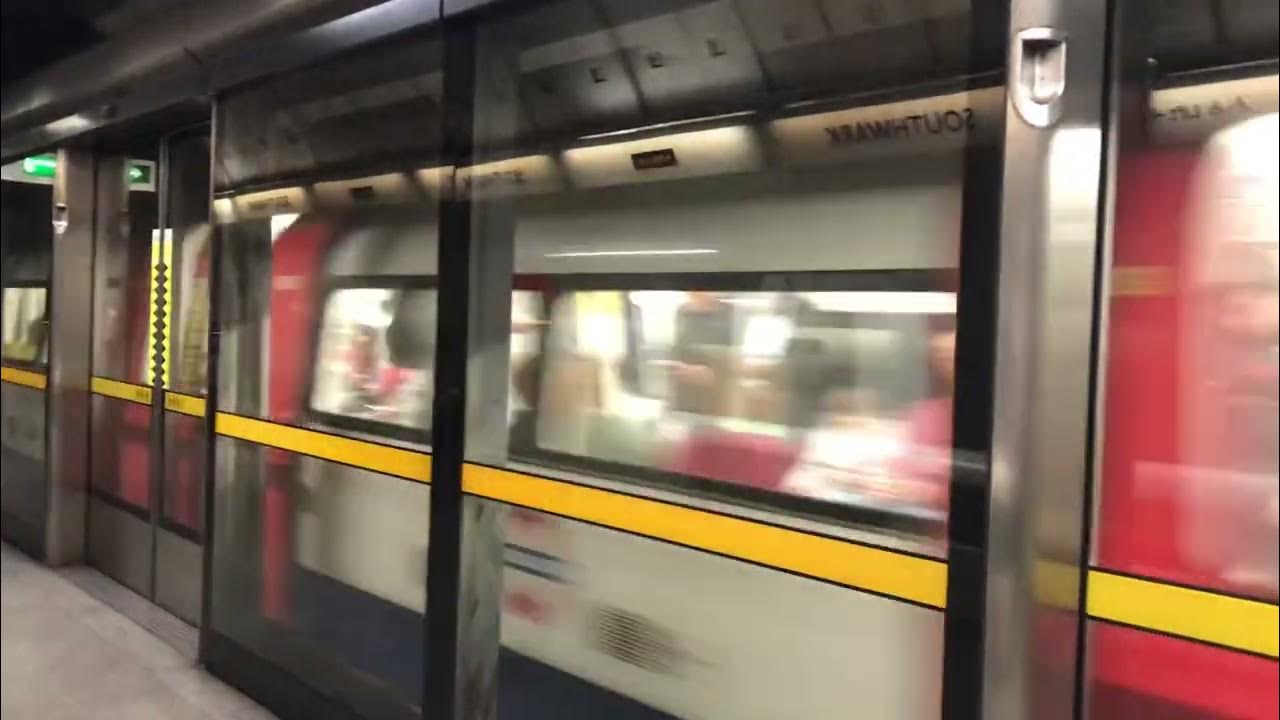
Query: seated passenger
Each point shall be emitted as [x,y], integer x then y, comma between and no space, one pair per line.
[848,456]
[527,379]
[710,451]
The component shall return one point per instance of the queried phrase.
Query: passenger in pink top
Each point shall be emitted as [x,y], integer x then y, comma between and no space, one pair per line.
[926,464]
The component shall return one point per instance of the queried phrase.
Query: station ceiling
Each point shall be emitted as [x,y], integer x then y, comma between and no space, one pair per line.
[37,33]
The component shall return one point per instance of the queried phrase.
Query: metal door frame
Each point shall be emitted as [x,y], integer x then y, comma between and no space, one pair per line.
[1052,226]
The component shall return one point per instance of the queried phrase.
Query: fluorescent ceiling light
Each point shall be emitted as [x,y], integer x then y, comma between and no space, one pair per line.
[667,125]
[623,253]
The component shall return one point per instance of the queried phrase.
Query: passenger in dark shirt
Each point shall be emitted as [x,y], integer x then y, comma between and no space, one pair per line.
[527,379]
[704,332]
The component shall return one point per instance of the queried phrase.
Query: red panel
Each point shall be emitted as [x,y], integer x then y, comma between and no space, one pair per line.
[1145,516]
[1137,523]
[296,271]
[1137,674]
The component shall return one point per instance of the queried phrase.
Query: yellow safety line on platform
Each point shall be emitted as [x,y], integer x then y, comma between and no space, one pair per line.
[1243,624]
[28,378]
[121,390]
[883,571]
[407,464]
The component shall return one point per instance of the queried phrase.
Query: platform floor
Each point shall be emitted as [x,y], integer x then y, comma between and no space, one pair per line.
[75,645]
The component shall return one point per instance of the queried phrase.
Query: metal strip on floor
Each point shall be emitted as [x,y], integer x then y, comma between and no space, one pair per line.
[155,619]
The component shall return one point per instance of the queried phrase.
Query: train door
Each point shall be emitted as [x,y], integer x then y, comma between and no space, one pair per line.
[150,330]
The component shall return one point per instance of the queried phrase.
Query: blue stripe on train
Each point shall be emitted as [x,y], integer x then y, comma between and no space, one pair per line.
[385,640]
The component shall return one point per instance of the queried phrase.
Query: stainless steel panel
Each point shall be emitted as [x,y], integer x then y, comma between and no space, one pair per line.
[1048,251]
[71,313]
[118,545]
[178,575]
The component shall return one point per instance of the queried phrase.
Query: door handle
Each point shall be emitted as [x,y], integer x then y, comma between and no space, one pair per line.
[1039,60]
[60,221]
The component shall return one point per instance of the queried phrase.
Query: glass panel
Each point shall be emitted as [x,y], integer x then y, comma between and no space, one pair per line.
[188,220]
[121,449]
[1190,485]
[349,605]
[128,245]
[26,325]
[126,240]
[743,222]
[188,325]
[325,205]
[184,452]
[24,493]
[26,211]
[26,245]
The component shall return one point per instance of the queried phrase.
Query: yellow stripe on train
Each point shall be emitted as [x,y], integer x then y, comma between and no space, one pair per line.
[1249,625]
[879,570]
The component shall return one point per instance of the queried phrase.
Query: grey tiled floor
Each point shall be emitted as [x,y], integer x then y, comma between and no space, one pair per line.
[66,655]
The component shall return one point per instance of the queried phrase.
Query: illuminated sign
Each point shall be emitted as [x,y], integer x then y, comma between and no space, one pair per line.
[139,173]
[43,168]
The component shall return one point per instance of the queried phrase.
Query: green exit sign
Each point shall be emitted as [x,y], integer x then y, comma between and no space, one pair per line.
[139,172]
[45,166]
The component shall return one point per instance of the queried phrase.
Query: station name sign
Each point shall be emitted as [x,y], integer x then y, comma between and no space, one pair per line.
[902,128]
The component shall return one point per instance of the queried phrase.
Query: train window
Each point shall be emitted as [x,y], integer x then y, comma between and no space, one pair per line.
[357,377]
[25,324]
[829,395]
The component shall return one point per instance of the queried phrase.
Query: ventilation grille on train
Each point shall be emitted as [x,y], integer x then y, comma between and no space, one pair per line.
[634,640]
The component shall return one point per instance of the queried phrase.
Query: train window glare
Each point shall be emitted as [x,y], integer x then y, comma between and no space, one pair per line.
[829,395]
[356,376]
[1202,285]
[281,222]
[25,324]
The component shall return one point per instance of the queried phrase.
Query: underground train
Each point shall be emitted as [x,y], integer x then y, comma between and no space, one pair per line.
[810,391]
[743,314]
[597,361]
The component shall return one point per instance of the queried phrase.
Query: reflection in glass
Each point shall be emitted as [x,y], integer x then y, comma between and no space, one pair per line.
[1190,484]
[187,325]
[25,324]
[128,246]
[1203,286]
[356,375]
[742,220]
[839,396]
